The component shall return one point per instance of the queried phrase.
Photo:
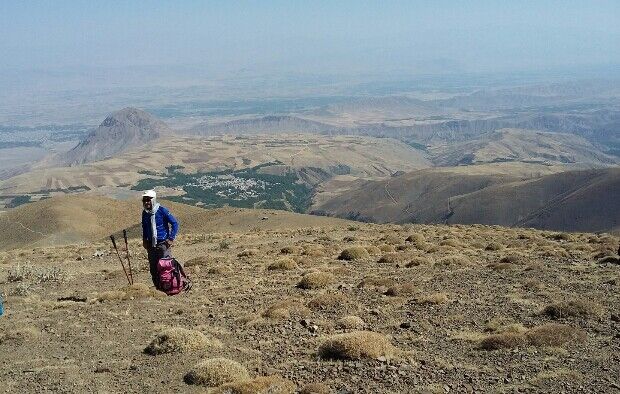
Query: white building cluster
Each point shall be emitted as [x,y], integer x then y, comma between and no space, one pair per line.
[232,187]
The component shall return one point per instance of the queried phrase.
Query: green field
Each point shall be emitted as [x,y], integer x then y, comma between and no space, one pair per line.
[247,188]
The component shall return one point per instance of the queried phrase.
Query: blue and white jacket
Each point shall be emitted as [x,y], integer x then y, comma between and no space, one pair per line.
[167,225]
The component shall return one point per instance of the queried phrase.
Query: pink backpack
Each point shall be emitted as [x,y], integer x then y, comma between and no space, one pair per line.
[172,278]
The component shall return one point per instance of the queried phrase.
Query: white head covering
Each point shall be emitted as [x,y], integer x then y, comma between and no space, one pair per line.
[155,206]
[149,193]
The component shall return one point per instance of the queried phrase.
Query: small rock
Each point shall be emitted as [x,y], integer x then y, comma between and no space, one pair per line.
[405,325]
[615,318]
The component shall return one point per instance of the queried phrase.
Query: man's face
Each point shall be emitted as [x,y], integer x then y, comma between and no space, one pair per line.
[147,203]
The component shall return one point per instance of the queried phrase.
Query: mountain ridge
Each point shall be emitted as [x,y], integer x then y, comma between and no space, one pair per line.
[120,131]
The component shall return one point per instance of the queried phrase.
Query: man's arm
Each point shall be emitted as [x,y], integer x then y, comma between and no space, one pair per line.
[173,223]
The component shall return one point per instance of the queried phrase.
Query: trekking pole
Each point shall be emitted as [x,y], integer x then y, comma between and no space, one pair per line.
[119,258]
[128,259]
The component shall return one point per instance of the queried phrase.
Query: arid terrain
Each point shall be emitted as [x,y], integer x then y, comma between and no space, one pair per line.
[284,302]
[373,197]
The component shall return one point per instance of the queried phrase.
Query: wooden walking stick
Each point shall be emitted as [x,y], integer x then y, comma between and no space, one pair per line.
[119,258]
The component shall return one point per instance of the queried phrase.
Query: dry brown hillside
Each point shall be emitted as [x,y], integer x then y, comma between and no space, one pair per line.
[518,145]
[346,308]
[359,156]
[88,218]
[419,196]
[575,201]
[569,201]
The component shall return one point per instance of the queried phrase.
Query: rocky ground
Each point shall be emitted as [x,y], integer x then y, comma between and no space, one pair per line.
[346,309]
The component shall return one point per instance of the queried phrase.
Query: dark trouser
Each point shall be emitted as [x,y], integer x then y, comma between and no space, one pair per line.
[155,253]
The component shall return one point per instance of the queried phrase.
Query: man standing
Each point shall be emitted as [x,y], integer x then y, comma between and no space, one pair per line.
[159,228]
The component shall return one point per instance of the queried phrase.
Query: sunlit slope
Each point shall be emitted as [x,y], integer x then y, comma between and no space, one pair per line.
[570,201]
[88,218]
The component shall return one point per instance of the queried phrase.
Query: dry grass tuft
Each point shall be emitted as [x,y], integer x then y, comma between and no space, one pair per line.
[316,280]
[387,248]
[248,253]
[374,281]
[456,260]
[111,295]
[561,237]
[550,251]
[135,291]
[573,308]
[453,243]
[390,258]
[351,322]
[180,340]
[401,290]
[283,265]
[511,259]
[373,250]
[502,266]
[273,384]
[494,246]
[417,240]
[141,290]
[314,251]
[502,324]
[418,261]
[609,260]
[553,334]
[354,253]
[216,372]
[23,272]
[20,335]
[22,289]
[327,301]
[315,388]
[433,299]
[392,239]
[290,250]
[505,340]
[357,345]
[284,309]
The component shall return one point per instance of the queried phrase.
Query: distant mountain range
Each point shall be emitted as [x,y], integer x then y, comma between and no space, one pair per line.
[264,125]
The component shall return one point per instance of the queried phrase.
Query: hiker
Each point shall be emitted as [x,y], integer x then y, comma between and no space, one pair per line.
[159,228]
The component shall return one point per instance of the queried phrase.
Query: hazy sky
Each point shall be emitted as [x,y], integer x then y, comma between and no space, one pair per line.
[311,36]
